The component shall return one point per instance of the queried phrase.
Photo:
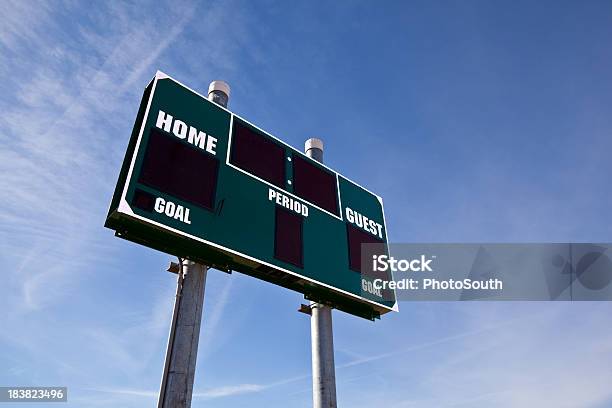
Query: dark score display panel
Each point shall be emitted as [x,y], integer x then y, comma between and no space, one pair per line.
[176,168]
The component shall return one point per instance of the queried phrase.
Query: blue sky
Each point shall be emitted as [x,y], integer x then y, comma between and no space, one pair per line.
[476,121]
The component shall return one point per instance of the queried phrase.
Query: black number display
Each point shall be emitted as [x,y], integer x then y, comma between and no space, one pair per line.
[257,154]
[356,237]
[314,184]
[178,169]
[288,245]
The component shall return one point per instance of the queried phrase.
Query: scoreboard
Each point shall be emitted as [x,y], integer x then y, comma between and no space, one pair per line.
[202,183]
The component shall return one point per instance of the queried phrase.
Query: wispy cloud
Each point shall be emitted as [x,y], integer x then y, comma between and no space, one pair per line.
[215,307]
[58,130]
[529,360]
[439,341]
[21,23]
[211,393]
[468,348]
[73,75]
[228,391]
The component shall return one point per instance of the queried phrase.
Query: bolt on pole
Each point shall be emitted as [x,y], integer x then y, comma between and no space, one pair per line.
[179,368]
[321,329]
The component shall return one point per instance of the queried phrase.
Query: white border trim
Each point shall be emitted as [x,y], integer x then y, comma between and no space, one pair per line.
[124,207]
[395,307]
[158,75]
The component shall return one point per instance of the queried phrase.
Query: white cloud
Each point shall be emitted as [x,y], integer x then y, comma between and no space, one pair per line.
[61,157]
[21,22]
[556,357]
[74,73]
[218,392]
[228,391]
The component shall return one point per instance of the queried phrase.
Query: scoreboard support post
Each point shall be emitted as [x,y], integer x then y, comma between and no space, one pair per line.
[179,368]
[321,330]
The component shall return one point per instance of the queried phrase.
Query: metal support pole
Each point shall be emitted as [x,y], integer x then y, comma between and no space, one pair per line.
[321,330]
[179,368]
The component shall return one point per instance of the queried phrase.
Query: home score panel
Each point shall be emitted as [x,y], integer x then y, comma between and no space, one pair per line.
[200,182]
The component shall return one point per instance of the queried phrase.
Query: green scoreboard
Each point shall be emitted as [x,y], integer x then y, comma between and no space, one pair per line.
[202,183]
